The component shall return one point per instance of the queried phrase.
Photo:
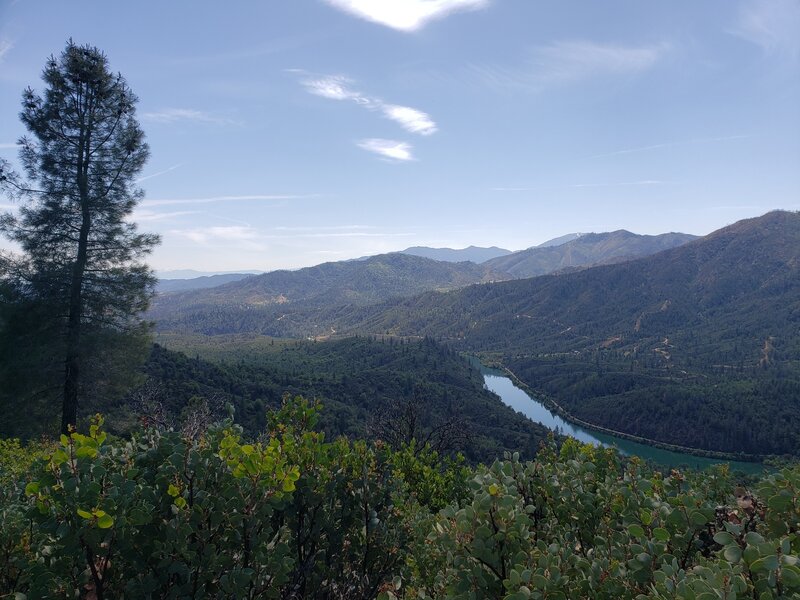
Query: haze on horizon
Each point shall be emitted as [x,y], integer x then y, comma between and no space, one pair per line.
[284,135]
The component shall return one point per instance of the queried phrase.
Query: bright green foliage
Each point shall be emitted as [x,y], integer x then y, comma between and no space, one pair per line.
[289,515]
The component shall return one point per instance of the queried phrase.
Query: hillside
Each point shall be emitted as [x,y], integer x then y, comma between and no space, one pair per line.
[359,381]
[267,303]
[471,253]
[584,250]
[698,345]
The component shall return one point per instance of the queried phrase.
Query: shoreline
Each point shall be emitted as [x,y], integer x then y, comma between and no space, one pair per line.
[555,407]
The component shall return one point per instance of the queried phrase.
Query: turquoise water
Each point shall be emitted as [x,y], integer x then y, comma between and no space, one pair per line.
[497,382]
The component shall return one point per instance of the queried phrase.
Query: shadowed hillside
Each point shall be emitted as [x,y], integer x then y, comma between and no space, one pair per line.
[260,303]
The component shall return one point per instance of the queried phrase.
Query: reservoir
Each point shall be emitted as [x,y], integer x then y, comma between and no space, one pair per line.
[499,383]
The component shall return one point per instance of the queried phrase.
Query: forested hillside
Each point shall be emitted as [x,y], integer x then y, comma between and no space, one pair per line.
[364,386]
[698,345]
[286,302]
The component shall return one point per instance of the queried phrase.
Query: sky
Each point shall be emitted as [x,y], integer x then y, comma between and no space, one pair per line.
[286,134]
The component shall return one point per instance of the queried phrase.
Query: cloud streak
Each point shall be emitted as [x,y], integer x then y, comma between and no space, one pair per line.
[671,145]
[392,150]
[5,48]
[643,182]
[234,233]
[774,25]
[214,199]
[338,87]
[164,172]
[175,115]
[249,237]
[572,61]
[405,15]
[143,216]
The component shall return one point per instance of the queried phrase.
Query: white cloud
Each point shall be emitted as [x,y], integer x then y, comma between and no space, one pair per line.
[334,87]
[173,115]
[5,47]
[256,197]
[410,119]
[772,24]
[391,149]
[338,87]
[405,15]
[9,146]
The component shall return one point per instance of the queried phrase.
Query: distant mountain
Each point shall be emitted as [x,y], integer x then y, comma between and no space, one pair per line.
[192,274]
[697,345]
[560,240]
[268,303]
[474,254]
[198,283]
[585,250]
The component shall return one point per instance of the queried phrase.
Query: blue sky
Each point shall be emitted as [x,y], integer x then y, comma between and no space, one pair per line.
[285,134]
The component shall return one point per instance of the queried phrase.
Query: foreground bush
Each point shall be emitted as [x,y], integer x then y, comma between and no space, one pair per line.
[165,515]
[581,524]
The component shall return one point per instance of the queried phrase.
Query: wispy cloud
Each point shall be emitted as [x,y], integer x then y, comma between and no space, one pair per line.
[255,197]
[574,60]
[344,234]
[220,233]
[405,15]
[248,237]
[5,48]
[672,144]
[9,146]
[334,87]
[164,172]
[567,62]
[325,228]
[174,115]
[643,182]
[142,216]
[389,149]
[339,87]
[772,24]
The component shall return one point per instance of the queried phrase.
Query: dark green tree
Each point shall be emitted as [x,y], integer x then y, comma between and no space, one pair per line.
[81,256]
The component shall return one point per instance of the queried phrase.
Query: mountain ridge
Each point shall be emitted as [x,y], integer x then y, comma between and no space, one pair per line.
[686,346]
[587,250]
[476,254]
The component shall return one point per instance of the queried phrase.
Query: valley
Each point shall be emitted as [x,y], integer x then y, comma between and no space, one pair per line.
[667,347]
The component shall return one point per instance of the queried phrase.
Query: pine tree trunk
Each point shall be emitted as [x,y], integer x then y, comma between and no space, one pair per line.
[72,366]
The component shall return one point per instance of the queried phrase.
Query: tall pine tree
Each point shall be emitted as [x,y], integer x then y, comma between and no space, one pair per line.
[81,257]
